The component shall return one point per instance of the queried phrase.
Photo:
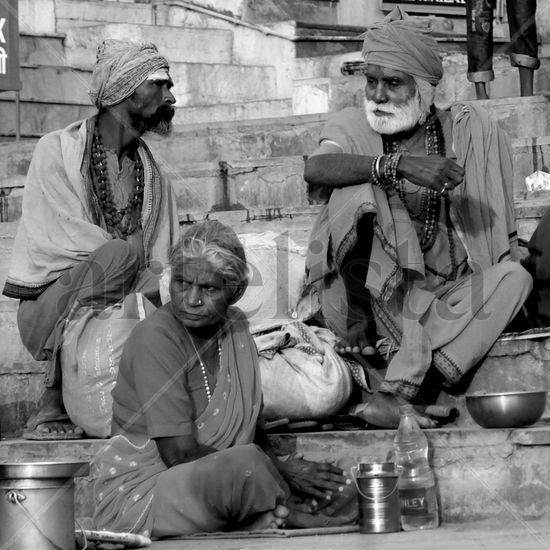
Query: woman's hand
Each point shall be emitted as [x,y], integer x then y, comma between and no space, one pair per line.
[319,480]
[434,172]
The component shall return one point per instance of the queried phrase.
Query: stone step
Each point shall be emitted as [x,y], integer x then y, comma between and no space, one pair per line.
[200,94]
[272,12]
[203,187]
[263,45]
[481,474]
[317,39]
[183,45]
[321,39]
[44,49]
[38,117]
[195,83]
[233,111]
[313,11]
[299,134]
[242,183]
[73,13]
[53,83]
[241,139]
[323,88]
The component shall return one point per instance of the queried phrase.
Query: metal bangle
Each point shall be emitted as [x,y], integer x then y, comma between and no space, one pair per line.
[377,167]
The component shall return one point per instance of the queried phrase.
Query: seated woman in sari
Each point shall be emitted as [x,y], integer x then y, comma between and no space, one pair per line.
[182,458]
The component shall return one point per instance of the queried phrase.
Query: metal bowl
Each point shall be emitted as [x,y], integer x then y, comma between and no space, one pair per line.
[507,409]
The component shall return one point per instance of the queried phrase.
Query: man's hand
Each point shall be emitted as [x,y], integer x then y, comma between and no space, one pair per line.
[434,172]
[319,480]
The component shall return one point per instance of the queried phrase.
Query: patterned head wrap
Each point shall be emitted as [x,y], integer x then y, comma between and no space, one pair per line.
[120,68]
[396,43]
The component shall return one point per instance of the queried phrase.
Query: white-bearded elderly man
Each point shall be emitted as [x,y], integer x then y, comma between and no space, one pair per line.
[98,218]
[415,243]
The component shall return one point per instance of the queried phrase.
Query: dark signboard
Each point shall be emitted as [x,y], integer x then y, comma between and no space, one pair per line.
[9,46]
[433,7]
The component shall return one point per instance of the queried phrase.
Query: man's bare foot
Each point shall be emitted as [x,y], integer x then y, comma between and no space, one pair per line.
[361,338]
[274,519]
[382,411]
[50,420]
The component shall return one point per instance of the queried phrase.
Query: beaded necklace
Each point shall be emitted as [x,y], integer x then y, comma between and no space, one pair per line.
[434,144]
[125,220]
[428,214]
[203,366]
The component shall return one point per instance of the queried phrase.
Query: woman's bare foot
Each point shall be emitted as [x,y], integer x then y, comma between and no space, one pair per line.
[361,338]
[274,519]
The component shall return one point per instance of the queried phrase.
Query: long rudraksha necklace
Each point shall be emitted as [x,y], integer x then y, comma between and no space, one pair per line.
[428,214]
[118,220]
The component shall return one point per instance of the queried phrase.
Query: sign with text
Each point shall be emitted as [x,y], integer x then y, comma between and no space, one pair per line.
[429,7]
[9,46]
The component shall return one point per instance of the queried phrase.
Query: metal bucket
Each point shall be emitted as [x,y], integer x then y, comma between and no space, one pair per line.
[378,499]
[37,505]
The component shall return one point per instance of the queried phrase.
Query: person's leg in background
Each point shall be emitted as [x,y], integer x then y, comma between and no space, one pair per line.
[523,41]
[104,278]
[479,38]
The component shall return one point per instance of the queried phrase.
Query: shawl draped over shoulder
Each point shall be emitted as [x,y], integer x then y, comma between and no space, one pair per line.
[481,207]
[133,463]
[62,223]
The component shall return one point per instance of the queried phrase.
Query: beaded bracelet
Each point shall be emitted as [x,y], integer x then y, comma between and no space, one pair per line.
[390,169]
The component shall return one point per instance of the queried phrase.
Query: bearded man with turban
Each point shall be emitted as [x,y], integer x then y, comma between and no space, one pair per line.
[98,218]
[414,244]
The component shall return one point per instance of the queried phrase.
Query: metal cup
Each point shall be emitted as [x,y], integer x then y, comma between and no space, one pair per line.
[378,499]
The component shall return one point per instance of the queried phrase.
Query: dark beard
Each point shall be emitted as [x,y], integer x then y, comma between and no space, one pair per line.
[160,123]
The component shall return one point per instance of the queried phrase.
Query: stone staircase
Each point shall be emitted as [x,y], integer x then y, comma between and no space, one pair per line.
[481,474]
[250,107]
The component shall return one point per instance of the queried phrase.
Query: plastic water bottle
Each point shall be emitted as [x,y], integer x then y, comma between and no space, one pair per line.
[416,485]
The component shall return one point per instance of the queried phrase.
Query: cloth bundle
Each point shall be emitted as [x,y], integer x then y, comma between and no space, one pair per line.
[302,376]
[90,355]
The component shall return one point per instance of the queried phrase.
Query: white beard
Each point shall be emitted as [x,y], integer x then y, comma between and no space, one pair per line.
[399,118]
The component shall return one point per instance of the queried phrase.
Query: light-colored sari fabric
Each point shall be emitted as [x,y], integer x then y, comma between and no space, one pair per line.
[128,468]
